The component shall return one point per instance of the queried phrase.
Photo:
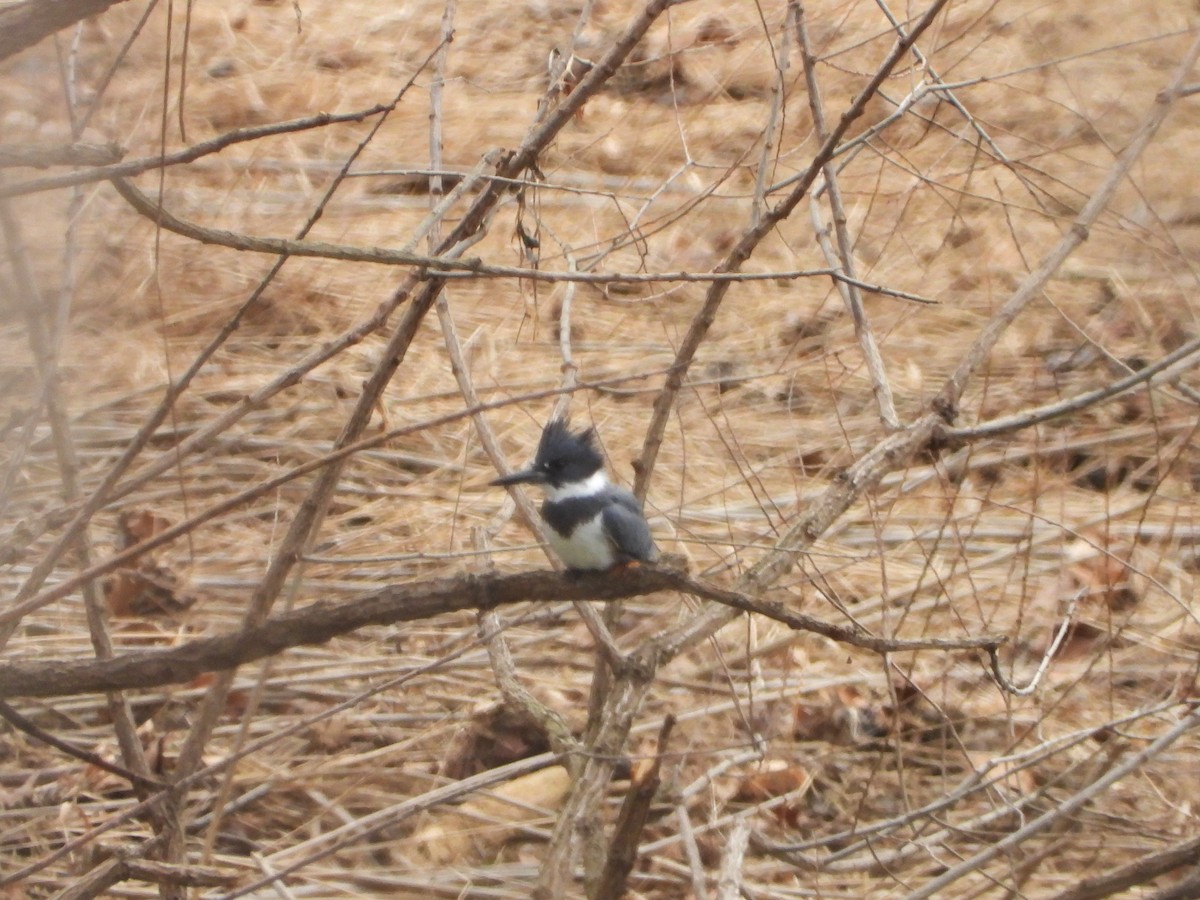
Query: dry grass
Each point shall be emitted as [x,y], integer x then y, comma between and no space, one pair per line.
[814,741]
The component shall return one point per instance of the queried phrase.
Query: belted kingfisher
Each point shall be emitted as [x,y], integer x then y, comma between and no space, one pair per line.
[593,524]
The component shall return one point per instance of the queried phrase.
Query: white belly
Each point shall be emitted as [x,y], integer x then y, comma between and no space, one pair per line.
[586,548]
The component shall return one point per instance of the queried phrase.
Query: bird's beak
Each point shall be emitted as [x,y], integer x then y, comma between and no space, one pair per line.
[524,476]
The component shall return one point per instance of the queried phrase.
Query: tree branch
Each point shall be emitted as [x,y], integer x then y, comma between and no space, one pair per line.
[471,267]
[279,246]
[24,24]
[324,620]
[42,155]
[178,157]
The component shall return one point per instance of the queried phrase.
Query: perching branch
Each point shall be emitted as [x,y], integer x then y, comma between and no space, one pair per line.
[325,620]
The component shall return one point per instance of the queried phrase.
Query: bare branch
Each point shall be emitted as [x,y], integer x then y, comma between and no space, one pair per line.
[23,724]
[631,821]
[1179,358]
[25,23]
[843,258]
[1141,871]
[280,246]
[41,156]
[68,465]
[188,154]
[324,620]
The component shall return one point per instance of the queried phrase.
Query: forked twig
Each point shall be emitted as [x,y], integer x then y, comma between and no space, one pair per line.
[747,244]
[770,132]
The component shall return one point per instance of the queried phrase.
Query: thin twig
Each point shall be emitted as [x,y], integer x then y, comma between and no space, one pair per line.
[782,61]
[118,60]
[729,880]
[44,354]
[1063,630]
[691,852]
[22,723]
[450,267]
[1162,370]
[155,212]
[188,154]
[517,696]
[845,246]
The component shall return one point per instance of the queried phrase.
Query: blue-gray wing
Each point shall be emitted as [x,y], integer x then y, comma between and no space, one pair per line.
[627,529]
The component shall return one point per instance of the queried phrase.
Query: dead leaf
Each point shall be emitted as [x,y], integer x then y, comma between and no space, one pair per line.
[137,525]
[148,590]
[773,782]
[143,587]
[495,736]
[475,831]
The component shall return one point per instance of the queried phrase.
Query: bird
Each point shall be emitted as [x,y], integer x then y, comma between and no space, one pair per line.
[592,523]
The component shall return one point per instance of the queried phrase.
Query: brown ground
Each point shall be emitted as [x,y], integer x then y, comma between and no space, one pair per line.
[996,537]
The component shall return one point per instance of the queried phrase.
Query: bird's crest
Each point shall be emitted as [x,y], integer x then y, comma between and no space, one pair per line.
[568,455]
[557,436]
